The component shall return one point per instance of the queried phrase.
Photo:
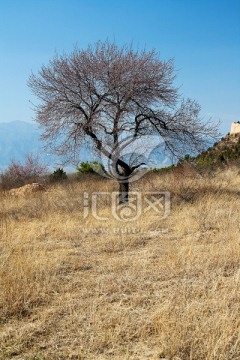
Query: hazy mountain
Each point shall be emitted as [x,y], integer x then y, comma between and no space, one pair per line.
[19,138]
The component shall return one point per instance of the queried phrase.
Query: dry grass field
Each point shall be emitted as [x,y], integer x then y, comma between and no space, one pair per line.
[75,288]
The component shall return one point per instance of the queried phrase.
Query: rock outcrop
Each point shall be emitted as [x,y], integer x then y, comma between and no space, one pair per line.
[27,189]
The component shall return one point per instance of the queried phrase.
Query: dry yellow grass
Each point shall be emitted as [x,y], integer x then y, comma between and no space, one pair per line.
[152,289]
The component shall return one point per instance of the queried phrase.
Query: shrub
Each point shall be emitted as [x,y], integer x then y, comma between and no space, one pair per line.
[58,175]
[85,168]
[186,159]
[90,167]
[164,169]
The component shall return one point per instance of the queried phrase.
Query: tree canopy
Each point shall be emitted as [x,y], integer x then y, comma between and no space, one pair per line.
[106,93]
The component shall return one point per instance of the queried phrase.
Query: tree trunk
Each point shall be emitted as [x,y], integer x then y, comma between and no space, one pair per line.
[123,192]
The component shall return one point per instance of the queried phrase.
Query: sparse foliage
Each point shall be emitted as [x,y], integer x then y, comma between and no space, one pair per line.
[104,94]
[19,174]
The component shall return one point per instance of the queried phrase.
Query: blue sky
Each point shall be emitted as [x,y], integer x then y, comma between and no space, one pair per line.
[202,36]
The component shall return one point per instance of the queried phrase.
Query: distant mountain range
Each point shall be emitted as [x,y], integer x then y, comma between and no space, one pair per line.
[18,138]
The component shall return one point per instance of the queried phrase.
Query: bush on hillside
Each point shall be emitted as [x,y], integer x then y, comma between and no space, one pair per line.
[90,167]
[58,175]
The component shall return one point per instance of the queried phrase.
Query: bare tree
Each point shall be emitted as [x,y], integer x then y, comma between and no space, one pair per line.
[105,94]
[19,174]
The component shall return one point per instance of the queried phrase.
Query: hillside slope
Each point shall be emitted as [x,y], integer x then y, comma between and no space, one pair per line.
[224,151]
